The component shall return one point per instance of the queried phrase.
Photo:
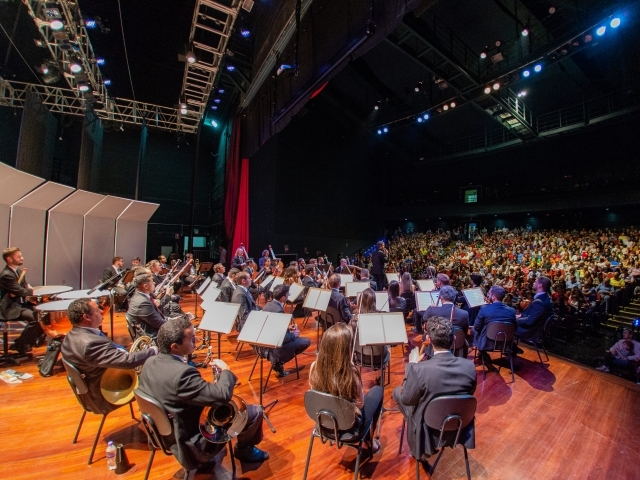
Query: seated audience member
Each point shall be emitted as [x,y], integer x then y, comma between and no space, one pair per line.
[92,352]
[333,372]
[624,354]
[443,374]
[183,393]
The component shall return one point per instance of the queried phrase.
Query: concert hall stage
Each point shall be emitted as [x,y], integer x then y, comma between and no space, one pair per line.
[565,421]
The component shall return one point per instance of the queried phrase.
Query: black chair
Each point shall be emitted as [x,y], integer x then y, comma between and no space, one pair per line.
[459,342]
[367,357]
[79,387]
[6,357]
[159,429]
[447,414]
[133,328]
[538,338]
[502,334]
[334,417]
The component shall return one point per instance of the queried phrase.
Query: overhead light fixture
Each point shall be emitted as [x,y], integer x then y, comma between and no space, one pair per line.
[214,124]
[484,52]
[453,104]
[74,66]
[379,132]
[90,23]
[385,129]
[284,68]
[525,31]
[418,87]
[191,57]
[51,76]
[217,100]
[106,82]
[419,119]
[214,107]
[221,90]
[83,87]
[56,24]
[522,94]
[377,105]
[445,107]
[552,10]
[44,68]
[230,68]
[183,108]
[496,86]
[537,68]
[615,22]
[426,116]
[245,33]
[588,38]
[100,61]
[526,74]
[600,31]
[487,90]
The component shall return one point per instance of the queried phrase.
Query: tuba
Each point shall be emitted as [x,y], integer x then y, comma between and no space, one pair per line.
[117,385]
[223,421]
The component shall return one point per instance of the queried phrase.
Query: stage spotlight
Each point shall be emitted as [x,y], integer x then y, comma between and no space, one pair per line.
[217,100]
[183,108]
[83,87]
[537,68]
[44,68]
[525,31]
[600,31]
[453,104]
[221,90]
[487,90]
[100,61]
[484,52]
[377,105]
[379,132]
[106,82]
[419,119]
[90,23]
[588,38]
[214,107]
[214,124]
[245,33]
[385,129]
[230,68]
[552,10]
[522,94]
[418,87]
[496,86]
[445,107]
[191,57]
[526,73]
[56,24]
[74,66]
[615,22]
[426,116]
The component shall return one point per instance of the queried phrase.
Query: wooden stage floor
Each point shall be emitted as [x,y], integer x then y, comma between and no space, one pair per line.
[562,422]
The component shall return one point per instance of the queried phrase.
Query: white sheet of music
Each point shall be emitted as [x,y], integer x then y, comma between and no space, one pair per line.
[353,289]
[423,300]
[204,285]
[294,290]
[317,299]
[426,285]
[435,296]
[276,281]
[265,328]
[219,317]
[211,294]
[382,328]
[345,278]
[392,277]
[474,297]
[268,279]
[382,301]
[394,328]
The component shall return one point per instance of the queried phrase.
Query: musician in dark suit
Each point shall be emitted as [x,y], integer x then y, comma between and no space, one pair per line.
[218,274]
[183,393]
[242,296]
[379,258]
[228,286]
[476,282]
[338,305]
[142,308]
[496,311]
[91,352]
[342,268]
[119,289]
[13,305]
[364,277]
[293,343]
[460,318]
[443,374]
[534,316]
[155,268]
[308,280]
[239,261]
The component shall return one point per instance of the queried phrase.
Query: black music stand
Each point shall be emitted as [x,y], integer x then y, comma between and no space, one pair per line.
[109,284]
[200,290]
[219,317]
[265,330]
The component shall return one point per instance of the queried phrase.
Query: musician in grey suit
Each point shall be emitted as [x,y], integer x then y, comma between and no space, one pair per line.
[142,308]
[183,393]
[496,311]
[293,343]
[228,286]
[92,353]
[218,274]
[459,319]
[443,374]
[242,296]
[119,289]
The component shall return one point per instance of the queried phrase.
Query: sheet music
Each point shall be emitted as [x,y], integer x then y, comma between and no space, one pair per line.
[345,278]
[253,326]
[276,281]
[474,297]
[211,294]
[394,330]
[426,285]
[268,279]
[294,291]
[204,285]
[317,299]
[265,328]
[435,296]
[423,300]
[391,277]
[382,301]
[371,329]
[220,317]
[353,289]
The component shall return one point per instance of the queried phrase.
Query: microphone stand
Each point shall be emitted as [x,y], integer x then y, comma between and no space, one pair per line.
[108,285]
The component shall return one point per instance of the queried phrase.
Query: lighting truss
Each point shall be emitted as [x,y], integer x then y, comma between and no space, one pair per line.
[71,42]
[64,100]
[212,25]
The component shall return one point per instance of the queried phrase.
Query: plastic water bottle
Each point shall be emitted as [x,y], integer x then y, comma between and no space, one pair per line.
[111,456]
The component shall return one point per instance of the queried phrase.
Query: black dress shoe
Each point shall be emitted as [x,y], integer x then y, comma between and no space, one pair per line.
[21,348]
[518,351]
[281,373]
[250,454]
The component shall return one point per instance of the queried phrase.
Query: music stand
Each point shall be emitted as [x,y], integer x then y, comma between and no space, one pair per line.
[208,296]
[219,317]
[353,289]
[426,285]
[276,281]
[345,278]
[200,290]
[382,329]
[108,284]
[474,297]
[205,267]
[382,301]
[265,330]
[295,290]
[392,277]
[317,299]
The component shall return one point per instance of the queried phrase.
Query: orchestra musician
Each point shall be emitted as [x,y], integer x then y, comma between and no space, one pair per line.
[155,268]
[92,352]
[183,393]
[163,262]
[243,297]
[119,289]
[364,277]
[136,262]
[13,306]
[218,274]
[308,279]
[190,275]
[239,261]
[143,310]
[228,286]
[338,301]
[379,258]
[263,258]
[342,268]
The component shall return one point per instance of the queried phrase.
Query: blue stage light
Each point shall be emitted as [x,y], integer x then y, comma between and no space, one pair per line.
[245,33]
[106,82]
[600,31]
[419,119]
[526,73]
[221,90]
[379,131]
[615,22]
[385,129]
[90,23]
[100,61]
[230,68]
[214,124]
[537,68]
[217,100]
[214,107]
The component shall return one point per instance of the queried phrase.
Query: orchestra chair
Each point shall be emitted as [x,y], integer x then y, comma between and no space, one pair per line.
[334,417]
[160,431]
[459,343]
[366,360]
[445,415]
[79,387]
[6,357]
[132,327]
[325,322]
[538,338]
[502,334]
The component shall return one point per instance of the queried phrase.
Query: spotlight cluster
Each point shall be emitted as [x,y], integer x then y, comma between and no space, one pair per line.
[382,130]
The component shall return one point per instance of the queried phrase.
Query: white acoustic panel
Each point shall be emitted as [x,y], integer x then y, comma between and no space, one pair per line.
[14,185]
[98,244]
[63,262]
[131,230]
[28,226]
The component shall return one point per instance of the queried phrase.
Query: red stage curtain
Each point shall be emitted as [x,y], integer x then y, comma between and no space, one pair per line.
[236,218]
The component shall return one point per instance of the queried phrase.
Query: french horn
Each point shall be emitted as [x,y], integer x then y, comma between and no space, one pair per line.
[117,385]
[221,422]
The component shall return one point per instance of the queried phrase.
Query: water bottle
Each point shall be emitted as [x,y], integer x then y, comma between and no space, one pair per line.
[111,456]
